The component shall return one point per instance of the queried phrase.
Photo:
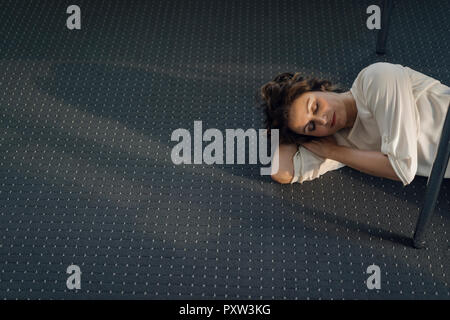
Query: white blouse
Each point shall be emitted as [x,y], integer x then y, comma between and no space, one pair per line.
[401,113]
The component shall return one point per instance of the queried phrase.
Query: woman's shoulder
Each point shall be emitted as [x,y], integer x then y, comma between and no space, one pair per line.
[376,82]
[379,76]
[380,70]
[383,77]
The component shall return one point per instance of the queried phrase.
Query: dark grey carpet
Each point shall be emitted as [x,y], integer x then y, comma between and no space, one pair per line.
[86,176]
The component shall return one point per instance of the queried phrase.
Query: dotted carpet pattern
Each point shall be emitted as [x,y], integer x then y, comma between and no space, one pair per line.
[86,176]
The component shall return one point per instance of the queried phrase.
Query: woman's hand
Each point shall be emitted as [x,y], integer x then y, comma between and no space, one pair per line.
[321,146]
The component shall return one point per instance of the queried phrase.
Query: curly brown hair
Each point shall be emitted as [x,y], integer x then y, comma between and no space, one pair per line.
[276,97]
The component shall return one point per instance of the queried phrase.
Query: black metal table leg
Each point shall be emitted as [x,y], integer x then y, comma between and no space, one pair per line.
[433,185]
[382,33]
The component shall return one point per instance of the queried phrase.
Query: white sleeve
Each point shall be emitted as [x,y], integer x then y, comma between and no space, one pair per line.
[309,166]
[388,93]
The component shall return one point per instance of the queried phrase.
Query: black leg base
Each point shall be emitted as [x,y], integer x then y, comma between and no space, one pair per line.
[382,33]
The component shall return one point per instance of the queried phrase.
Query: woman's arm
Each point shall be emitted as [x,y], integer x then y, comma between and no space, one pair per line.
[371,162]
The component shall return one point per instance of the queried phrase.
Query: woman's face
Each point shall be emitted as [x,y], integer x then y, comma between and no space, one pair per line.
[313,112]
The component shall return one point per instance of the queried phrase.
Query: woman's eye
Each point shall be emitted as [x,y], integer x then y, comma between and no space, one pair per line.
[311,126]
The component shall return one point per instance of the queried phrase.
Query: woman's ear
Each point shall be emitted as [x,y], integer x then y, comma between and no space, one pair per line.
[322,88]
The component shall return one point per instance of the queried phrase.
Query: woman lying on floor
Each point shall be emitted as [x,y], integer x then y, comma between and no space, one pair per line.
[388,124]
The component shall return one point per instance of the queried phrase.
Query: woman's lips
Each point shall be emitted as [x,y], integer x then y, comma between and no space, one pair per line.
[333,120]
